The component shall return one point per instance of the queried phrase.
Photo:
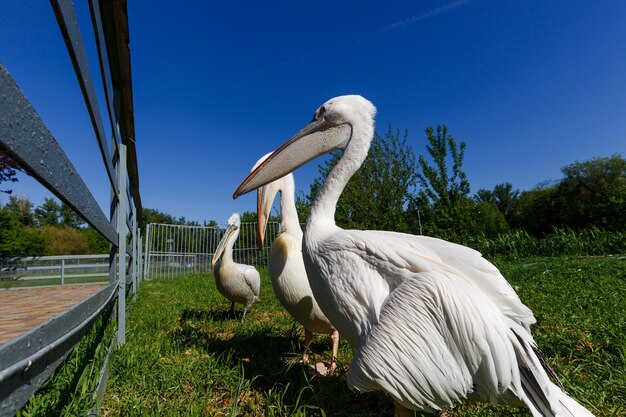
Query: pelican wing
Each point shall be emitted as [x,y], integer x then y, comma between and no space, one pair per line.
[397,255]
[434,344]
[446,323]
[252,278]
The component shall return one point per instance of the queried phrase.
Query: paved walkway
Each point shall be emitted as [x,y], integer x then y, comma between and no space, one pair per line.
[23,309]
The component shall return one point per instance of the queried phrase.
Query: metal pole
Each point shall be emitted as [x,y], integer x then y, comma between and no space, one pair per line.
[62,271]
[147,254]
[140,260]
[121,233]
[135,254]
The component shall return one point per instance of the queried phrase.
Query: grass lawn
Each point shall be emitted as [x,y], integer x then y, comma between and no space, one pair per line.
[184,356]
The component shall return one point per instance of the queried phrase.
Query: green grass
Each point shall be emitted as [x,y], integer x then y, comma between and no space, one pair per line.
[69,391]
[184,356]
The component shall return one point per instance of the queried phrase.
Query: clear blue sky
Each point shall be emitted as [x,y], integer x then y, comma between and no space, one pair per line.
[529,85]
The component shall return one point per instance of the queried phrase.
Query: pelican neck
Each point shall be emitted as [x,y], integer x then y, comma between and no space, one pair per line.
[289,215]
[325,203]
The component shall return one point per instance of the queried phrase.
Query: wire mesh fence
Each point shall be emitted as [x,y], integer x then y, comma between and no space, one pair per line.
[173,250]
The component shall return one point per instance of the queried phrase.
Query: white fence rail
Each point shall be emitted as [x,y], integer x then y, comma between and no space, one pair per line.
[56,268]
[173,250]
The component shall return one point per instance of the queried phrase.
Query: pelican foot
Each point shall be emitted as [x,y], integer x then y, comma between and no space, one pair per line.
[323,369]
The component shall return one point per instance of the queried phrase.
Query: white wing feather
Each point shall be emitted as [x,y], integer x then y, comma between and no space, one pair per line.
[432,321]
[252,278]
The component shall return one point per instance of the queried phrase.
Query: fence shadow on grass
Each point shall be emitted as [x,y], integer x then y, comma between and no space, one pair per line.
[270,355]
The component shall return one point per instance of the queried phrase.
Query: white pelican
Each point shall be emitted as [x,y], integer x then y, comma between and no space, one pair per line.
[432,323]
[237,282]
[286,267]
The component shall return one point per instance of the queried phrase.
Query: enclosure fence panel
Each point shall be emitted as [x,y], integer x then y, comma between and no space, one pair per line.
[62,269]
[28,360]
[173,250]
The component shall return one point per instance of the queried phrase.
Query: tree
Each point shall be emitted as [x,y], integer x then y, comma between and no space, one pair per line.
[593,193]
[376,196]
[485,196]
[21,209]
[502,196]
[96,243]
[67,217]
[505,199]
[49,213]
[8,170]
[64,240]
[156,216]
[441,187]
[17,240]
[445,209]
[536,213]
[303,206]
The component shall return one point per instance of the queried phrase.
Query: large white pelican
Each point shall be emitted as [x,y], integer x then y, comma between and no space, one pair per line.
[237,282]
[286,267]
[432,323]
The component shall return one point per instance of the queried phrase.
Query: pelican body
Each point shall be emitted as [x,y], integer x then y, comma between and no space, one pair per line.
[432,323]
[239,283]
[286,266]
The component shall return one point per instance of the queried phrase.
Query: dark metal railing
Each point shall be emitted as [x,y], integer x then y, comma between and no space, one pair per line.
[28,360]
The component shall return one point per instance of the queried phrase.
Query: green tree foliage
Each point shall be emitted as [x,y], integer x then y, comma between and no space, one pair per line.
[536,211]
[506,199]
[503,197]
[444,208]
[64,240]
[303,206]
[442,186]
[96,243]
[377,195]
[156,216]
[49,213]
[21,210]
[67,217]
[17,240]
[593,193]
[8,170]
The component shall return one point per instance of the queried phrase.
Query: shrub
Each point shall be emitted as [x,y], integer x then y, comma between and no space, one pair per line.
[63,240]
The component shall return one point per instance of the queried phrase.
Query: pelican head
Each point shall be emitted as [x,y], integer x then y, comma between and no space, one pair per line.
[232,230]
[332,128]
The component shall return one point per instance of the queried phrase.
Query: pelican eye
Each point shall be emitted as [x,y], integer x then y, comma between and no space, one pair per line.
[319,113]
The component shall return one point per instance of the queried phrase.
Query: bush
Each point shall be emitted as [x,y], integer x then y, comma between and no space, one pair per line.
[518,243]
[96,243]
[63,240]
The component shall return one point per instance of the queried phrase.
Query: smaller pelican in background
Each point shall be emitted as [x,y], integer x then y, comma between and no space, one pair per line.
[286,267]
[237,282]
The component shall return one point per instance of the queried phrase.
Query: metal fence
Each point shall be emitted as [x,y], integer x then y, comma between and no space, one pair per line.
[28,360]
[51,270]
[174,250]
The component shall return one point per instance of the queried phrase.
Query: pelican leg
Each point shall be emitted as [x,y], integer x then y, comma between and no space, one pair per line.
[308,336]
[334,337]
[402,411]
[231,313]
[325,369]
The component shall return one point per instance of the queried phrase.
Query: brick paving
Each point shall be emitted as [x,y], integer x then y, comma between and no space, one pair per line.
[25,308]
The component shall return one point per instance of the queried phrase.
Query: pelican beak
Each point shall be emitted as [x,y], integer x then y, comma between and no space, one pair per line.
[261,220]
[317,138]
[222,245]
[265,200]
